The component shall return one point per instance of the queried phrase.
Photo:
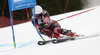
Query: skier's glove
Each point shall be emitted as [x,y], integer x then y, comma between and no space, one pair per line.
[42,25]
[40,29]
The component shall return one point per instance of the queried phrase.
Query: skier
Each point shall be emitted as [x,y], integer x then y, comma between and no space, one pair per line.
[48,26]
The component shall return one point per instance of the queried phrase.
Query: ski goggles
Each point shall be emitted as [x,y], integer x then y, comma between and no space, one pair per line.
[38,15]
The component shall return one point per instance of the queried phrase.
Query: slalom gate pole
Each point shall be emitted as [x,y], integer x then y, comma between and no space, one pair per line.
[12,29]
[12,23]
[75,14]
[35,24]
[17,5]
[27,14]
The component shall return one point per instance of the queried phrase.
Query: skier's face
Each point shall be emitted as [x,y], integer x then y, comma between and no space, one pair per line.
[38,16]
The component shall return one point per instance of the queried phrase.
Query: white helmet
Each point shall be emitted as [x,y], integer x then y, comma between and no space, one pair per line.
[38,9]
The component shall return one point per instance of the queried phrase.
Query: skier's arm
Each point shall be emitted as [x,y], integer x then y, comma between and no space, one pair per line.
[46,20]
[46,17]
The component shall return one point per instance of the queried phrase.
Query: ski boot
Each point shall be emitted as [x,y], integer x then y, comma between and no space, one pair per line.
[56,36]
[69,33]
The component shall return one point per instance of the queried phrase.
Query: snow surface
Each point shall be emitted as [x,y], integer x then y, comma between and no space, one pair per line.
[26,37]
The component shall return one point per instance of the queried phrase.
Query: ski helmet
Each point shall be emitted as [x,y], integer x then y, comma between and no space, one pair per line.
[38,9]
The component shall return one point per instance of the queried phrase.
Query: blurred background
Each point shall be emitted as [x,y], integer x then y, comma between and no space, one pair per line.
[54,7]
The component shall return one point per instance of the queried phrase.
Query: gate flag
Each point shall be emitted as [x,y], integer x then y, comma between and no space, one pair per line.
[17,5]
[21,4]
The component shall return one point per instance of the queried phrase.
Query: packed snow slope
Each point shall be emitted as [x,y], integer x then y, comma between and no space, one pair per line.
[26,37]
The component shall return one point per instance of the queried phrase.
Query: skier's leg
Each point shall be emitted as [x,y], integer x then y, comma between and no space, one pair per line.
[58,30]
[52,28]
[55,35]
[48,32]
[51,34]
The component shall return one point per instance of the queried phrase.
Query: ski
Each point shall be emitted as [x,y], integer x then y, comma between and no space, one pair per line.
[55,41]
[44,42]
[59,40]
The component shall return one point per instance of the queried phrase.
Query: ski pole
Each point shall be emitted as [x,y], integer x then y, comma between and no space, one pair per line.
[76,14]
[72,15]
